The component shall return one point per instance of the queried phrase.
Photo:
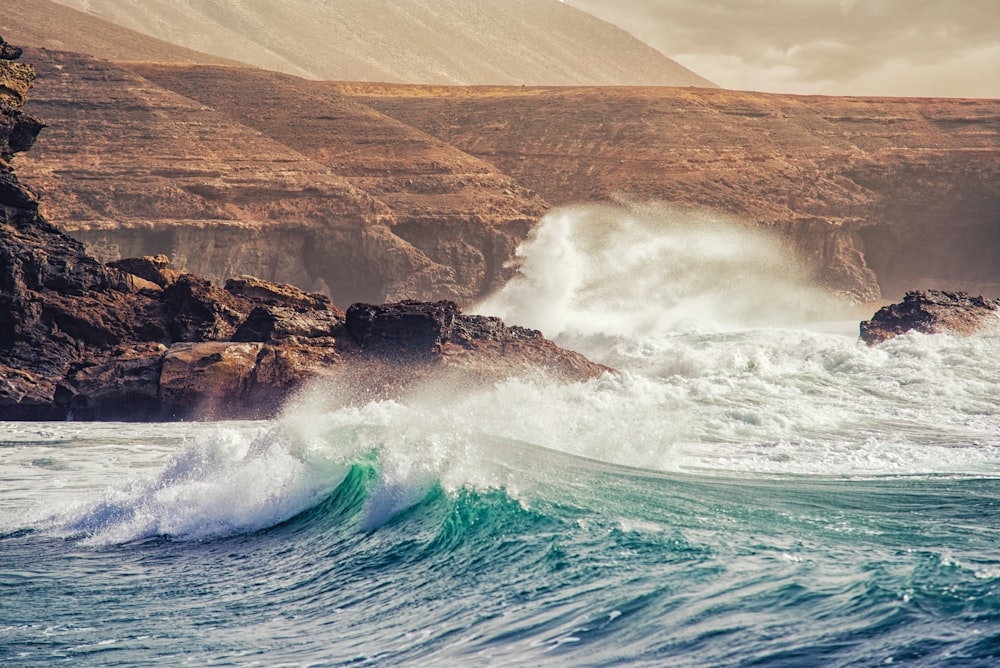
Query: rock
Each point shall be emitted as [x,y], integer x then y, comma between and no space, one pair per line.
[438,337]
[275,294]
[126,387]
[149,268]
[407,328]
[932,312]
[269,323]
[137,340]
[202,311]
[208,379]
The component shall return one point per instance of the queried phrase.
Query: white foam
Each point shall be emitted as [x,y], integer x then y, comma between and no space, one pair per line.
[717,378]
[219,485]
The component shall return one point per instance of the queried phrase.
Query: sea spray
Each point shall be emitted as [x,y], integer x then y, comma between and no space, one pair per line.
[757,402]
[643,270]
[715,394]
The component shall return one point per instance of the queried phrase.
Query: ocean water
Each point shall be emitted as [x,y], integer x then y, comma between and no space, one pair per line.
[755,488]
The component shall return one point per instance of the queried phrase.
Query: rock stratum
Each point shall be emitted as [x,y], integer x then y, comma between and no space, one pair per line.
[134,339]
[379,192]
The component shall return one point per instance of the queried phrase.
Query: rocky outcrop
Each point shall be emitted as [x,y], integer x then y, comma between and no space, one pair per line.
[440,334]
[135,339]
[932,312]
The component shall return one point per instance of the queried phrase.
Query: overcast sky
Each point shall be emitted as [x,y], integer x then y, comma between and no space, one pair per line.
[941,48]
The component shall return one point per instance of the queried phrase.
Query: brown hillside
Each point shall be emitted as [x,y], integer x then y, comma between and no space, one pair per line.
[417,41]
[48,25]
[909,188]
[314,190]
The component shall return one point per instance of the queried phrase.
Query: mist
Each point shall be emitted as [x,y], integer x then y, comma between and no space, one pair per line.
[641,270]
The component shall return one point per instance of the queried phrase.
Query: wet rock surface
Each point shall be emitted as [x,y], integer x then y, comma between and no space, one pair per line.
[932,312]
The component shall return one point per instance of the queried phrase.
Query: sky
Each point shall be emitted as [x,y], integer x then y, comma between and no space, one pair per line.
[937,48]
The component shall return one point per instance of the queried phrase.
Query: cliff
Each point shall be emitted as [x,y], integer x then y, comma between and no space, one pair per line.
[878,195]
[379,192]
[250,172]
[137,340]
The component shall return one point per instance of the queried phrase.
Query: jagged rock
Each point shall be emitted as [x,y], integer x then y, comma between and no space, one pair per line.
[9,51]
[408,328]
[269,323]
[275,294]
[149,268]
[203,312]
[208,378]
[932,312]
[438,337]
[126,387]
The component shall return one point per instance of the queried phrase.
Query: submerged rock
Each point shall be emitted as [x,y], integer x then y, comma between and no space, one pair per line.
[932,312]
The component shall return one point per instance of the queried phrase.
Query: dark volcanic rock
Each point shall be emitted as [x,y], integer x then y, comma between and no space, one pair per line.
[275,294]
[408,328]
[270,323]
[137,340]
[932,312]
[438,337]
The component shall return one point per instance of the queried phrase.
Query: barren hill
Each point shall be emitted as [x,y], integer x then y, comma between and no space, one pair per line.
[417,41]
[287,183]
[46,24]
[388,191]
[904,192]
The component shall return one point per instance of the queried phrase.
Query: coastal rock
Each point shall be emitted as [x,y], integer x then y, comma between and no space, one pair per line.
[138,340]
[125,387]
[438,338]
[408,328]
[275,294]
[269,323]
[932,312]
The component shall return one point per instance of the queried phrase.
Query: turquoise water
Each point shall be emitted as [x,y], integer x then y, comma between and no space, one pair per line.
[588,563]
[755,488]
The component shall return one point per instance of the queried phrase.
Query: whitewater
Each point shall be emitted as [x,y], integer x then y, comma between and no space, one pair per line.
[752,486]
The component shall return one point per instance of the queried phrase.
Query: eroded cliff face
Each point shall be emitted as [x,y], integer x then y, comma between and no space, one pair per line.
[379,192]
[878,195]
[253,174]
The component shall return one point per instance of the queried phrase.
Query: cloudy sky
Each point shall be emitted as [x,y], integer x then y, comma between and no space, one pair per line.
[943,48]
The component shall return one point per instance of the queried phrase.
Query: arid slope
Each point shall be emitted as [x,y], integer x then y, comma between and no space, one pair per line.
[908,188]
[321,192]
[417,41]
[49,25]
